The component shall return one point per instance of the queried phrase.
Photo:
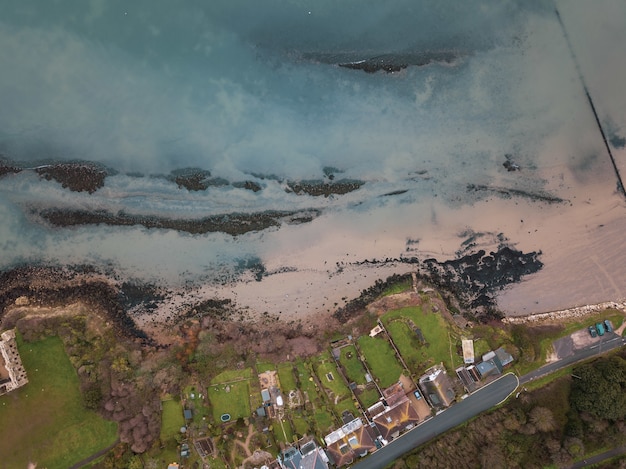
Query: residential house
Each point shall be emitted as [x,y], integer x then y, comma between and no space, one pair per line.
[437,386]
[352,440]
[308,456]
[12,373]
[467,378]
[394,413]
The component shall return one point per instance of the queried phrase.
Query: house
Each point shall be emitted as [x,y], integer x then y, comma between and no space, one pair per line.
[174,465]
[437,386]
[493,358]
[394,413]
[350,441]
[12,373]
[473,371]
[467,379]
[309,456]
[504,356]
[487,368]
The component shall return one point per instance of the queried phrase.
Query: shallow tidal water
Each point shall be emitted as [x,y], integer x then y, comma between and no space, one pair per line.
[260,94]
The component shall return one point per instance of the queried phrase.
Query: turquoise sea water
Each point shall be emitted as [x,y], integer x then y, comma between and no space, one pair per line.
[254,91]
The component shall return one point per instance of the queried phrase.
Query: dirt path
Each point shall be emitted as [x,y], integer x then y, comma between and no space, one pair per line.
[95,456]
[245,446]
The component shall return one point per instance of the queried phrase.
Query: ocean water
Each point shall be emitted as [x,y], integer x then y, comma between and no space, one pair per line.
[253,91]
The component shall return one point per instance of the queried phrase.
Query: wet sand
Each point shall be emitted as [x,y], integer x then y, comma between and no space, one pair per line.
[580,243]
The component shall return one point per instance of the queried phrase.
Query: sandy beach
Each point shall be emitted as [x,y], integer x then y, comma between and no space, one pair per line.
[318,267]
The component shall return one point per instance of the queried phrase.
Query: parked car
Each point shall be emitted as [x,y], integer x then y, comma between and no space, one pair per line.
[600,328]
[592,331]
[608,325]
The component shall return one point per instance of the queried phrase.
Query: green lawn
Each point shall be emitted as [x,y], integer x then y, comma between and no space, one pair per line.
[355,371]
[262,366]
[287,435]
[369,397]
[381,359]
[306,382]
[331,379]
[229,393]
[232,375]
[171,419]
[286,377]
[300,422]
[45,421]
[198,405]
[436,332]
[324,421]
[399,287]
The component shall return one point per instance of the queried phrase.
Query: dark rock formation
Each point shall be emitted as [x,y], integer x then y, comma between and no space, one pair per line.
[77,177]
[509,192]
[318,188]
[8,167]
[230,223]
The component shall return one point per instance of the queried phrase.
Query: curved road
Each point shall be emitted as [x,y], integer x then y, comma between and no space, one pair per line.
[481,400]
[607,343]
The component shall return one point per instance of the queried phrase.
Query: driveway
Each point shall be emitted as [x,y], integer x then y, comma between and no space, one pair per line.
[569,345]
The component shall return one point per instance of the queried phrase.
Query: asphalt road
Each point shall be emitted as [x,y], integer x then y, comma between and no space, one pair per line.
[608,342]
[598,458]
[480,401]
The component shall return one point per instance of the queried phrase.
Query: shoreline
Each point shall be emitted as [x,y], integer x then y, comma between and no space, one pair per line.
[576,311]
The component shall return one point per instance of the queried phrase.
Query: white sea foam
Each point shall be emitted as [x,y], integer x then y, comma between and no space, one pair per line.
[235,88]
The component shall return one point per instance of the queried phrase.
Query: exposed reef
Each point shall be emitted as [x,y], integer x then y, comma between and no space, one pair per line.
[231,223]
[318,188]
[468,283]
[77,177]
[395,62]
[508,193]
[388,63]
[476,278]
[8,167]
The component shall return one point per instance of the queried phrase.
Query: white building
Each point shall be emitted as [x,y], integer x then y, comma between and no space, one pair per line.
[12,373]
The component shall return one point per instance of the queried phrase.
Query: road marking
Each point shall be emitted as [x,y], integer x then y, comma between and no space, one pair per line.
[511,393]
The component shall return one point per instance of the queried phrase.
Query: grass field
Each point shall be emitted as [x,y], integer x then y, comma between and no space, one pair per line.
[369,397]
[171,419]
[287,435]
[229,393]
[286,377]
[355,371]
[331,379]
[398,288]
[45,421]
[435,329]
[381,359]
[262,366]
[306,383]
[197,405]
[324,421]
[300,422]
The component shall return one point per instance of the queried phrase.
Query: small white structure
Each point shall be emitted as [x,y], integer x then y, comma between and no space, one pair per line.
[12,373]
[468,351]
